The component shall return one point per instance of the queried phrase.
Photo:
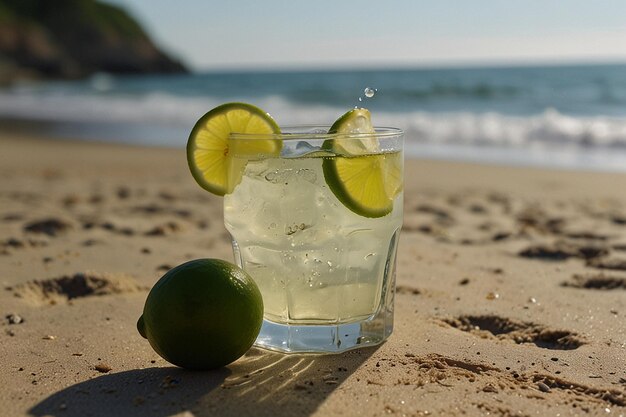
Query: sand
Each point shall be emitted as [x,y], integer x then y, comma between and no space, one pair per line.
[511,294]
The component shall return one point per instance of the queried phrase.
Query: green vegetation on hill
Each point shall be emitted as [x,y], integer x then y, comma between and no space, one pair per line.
[74,38]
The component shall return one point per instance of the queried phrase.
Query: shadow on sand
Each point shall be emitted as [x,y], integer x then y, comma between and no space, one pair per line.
[259,384]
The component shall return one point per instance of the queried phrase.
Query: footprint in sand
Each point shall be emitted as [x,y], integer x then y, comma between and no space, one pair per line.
[619,247]
[51,226]
[561,250]
[441,215]
[520,332]
[15,243]
[596,282]
[587,236]
[68,287]
[538,220]
[123,192]
[109,227]
[12,217]
[404,289]
[445,371]
[615,264]
[150,209]
[165,229]
[618,219]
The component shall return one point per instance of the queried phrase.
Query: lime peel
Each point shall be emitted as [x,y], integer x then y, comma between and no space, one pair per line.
[215,160]
[203,314]
[363,179]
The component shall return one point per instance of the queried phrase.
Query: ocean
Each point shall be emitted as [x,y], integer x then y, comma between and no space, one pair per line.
[552,116]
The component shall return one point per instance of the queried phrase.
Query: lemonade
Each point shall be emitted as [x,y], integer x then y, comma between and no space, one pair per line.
[320,265]
[314,260]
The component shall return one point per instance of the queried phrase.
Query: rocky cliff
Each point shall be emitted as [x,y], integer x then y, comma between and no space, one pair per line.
[73,39]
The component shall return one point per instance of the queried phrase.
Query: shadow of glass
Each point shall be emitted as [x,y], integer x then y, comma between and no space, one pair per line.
[260,383]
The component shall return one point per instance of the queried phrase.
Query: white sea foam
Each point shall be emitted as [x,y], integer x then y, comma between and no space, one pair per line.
[547,128]
[153,107]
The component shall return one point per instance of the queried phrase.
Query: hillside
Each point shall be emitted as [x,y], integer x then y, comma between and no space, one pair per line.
[73,39]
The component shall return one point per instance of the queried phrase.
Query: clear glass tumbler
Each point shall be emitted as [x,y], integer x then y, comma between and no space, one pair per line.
[324,263]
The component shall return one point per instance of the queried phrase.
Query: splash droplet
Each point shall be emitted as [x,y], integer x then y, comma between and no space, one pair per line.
[369,92]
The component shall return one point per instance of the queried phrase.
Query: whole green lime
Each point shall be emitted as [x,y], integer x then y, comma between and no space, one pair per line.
[203,314]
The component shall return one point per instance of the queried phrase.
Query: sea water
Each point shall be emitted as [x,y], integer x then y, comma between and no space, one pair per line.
[570,116]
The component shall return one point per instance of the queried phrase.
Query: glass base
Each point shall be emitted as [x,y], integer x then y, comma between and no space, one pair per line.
[336,338]
[289,338]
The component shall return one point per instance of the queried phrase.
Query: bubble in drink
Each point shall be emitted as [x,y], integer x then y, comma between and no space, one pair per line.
[369,92]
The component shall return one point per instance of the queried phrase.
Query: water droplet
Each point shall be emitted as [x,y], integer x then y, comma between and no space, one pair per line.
[369,92]
[271,177]
[279,175]
[290,230]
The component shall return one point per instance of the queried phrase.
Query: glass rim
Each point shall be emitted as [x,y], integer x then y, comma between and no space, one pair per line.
[298,132]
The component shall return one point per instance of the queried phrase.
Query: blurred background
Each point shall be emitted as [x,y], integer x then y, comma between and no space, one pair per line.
[530,83]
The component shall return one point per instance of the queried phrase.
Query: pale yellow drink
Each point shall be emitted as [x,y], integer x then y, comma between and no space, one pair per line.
[314,260]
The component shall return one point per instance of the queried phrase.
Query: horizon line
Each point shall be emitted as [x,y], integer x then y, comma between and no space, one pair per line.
[443,64]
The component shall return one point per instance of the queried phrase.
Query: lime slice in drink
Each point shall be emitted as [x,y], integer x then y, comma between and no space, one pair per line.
[365,180]
[210,151]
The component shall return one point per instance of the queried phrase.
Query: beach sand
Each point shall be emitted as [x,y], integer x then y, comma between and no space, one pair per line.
[511,294]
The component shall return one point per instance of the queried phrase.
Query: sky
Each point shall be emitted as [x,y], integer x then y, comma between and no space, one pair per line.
[253,34]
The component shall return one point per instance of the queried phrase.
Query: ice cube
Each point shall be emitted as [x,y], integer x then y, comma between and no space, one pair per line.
[304,147]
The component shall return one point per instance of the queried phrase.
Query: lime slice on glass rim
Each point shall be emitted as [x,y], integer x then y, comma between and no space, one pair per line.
[365,180]
[211,152]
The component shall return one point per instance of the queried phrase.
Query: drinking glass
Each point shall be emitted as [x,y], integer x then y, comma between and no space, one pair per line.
[326,271]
